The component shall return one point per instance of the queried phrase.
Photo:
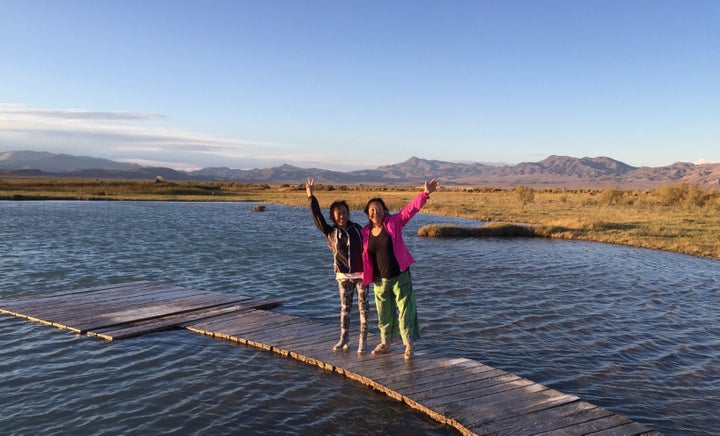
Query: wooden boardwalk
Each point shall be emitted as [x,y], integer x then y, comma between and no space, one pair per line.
[128,309]
[465,394]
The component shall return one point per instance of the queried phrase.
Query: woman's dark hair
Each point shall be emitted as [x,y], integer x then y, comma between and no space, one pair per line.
[379,200]
[335,205]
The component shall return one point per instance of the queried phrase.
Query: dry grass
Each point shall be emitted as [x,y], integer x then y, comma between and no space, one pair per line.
[674,218]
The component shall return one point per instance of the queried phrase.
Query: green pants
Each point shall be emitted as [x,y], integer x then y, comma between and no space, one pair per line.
[396,309]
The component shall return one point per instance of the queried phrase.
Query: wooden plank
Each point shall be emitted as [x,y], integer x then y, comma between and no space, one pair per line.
[515,402]
[309,343]
[64,314]
[61,311]
[159,296]
[139,314]
[83,322]
[58,294]
[600,426]
[441,392]
[419,379]
[246,321]
[431,362]
[422,370]
[311,334]
[322,340]
[628,428]
[294,334]
[232,329]
[302,339]
[265,338]
[173,321]
[545,420]
[231,310]
[87,296]
[498,391]
[395,372]
[145,302]
[275,329]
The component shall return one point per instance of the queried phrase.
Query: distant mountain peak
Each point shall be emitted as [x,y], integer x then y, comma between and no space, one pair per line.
[51,162]
[551,172]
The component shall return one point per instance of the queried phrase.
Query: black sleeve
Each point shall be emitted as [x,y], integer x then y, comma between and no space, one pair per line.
[318,218]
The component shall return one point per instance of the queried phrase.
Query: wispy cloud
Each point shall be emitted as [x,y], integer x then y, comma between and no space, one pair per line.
[126,136]
[75,114]
[148,139]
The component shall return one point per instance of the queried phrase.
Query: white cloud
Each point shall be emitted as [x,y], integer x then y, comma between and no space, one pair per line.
[147,139]
[119,135]
[75,114]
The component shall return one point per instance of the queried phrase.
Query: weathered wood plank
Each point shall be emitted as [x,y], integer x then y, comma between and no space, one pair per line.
[545,420]
[442,392]
[63,312]
[499,391]
[96,309]
[231,310]
[88,296]
[242,322]
[393,370]
[419,380]
[10,302]
[158,296]
[600,426]
[301,340]
[515,402]
[138,314]
[153,325]
[630,428]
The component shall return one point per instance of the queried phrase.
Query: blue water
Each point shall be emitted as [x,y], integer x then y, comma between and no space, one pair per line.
[634,331]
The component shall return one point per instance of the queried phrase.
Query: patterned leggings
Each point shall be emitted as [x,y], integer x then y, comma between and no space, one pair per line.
[347,292]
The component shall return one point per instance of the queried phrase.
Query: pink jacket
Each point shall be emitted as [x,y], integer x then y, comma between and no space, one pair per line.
[393,225]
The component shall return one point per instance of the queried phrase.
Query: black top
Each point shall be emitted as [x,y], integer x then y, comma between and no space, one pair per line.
[382,255]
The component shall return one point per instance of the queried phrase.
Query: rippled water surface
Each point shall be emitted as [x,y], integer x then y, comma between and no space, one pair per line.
[634,331]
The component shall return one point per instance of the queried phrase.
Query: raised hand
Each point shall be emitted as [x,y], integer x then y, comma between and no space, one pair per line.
[309,185]
[431,186]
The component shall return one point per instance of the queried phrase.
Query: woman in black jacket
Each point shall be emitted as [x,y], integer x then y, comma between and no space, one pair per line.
[345,241]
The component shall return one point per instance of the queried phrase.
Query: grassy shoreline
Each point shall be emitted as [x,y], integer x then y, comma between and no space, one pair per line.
[675,218]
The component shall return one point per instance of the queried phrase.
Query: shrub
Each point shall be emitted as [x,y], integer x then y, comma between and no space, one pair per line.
[696,197]
[611,195]
[673,194]
[525,194]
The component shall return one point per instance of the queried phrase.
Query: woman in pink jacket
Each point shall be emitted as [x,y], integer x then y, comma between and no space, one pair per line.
[386,264]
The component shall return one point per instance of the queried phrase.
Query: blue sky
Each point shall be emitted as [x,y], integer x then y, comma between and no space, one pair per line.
[350,85]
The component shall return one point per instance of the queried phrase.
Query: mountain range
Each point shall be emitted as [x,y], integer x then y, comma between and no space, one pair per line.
[552,172]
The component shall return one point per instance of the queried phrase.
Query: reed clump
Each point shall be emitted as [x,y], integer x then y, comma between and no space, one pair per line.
[497,230]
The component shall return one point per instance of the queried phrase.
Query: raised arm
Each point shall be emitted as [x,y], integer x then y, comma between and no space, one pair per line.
[317,216]
[414,206]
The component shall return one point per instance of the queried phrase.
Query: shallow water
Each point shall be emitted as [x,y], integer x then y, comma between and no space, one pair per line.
[635,331]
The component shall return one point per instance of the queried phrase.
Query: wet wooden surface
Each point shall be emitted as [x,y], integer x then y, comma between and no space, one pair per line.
[472,397]
[465,394]
[126,310]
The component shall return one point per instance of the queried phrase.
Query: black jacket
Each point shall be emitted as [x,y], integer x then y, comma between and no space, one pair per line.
[346,244]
